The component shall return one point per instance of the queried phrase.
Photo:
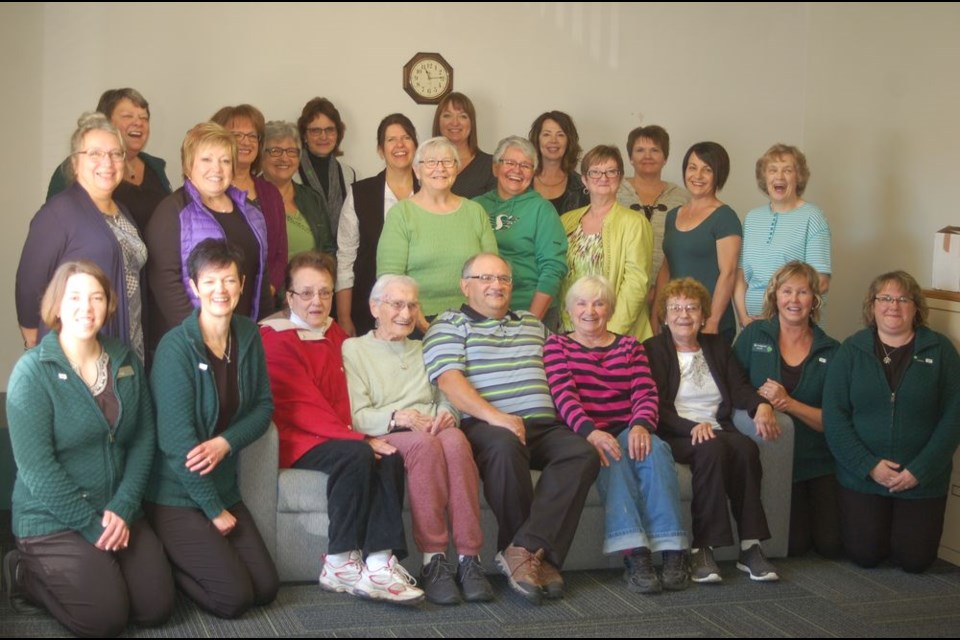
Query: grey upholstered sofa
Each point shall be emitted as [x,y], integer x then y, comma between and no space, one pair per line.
[289,506]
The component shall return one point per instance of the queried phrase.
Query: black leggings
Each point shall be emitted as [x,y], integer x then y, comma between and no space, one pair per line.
[815,517]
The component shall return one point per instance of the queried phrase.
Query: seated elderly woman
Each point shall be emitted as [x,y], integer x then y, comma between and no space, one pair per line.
[891,412]
[700,385]
[214,399]
[528,231]
[601,384]
[82,430]
[364,474]
[393,400]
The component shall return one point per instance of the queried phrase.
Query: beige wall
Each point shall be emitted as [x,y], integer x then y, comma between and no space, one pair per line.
[871,97]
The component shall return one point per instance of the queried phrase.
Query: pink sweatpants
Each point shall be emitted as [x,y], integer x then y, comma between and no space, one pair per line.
[442,478]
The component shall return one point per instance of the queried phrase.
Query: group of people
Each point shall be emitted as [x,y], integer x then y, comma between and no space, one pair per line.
[578,324]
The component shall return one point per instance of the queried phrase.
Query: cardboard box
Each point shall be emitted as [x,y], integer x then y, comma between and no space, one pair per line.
[946,259]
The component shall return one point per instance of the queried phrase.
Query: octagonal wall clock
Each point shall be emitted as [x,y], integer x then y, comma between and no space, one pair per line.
[427,78]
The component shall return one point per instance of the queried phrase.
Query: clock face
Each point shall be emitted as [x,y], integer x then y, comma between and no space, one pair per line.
[429,78]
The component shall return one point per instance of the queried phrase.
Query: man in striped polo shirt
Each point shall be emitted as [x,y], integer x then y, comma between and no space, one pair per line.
[488,361]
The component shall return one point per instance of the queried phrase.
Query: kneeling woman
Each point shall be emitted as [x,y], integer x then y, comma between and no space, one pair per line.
[700,385]
[392,399]
[364,475]
[602,387]
[213,399]
[82,429]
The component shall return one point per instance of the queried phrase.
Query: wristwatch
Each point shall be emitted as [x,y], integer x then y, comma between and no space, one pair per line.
[393,422]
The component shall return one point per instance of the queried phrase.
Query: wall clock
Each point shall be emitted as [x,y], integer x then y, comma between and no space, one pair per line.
[427,77]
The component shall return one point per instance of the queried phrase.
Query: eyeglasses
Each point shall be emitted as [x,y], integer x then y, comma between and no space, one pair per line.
[885,299]
[488,278]
[513,164]
[276,152]
[97,155]
[648,209]
[321,132]
[308,294]
[241,136]
[432,163]
[680,308]
[596,174]
[400,305]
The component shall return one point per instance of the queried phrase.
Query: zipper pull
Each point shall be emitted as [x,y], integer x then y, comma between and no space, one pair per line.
[893,396]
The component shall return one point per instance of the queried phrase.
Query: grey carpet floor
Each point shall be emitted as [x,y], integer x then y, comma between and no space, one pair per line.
[815,598]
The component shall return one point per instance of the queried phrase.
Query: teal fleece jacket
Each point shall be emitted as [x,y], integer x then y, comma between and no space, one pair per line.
[758,350]
[187,409]
[72,465]
[531,238]
[917,425]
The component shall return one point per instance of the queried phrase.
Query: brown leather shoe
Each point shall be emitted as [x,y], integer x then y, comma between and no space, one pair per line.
[551,580]
[522,569]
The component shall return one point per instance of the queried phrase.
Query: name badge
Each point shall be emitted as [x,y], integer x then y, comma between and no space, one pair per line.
[125,371]
[822,360]
[203,366]
[62,376]
[760,347]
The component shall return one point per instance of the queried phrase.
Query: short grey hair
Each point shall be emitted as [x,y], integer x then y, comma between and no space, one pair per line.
[90,121]
[438,143]
[516,142]
[468,265]
[383,283]
[591,286]
[277,129]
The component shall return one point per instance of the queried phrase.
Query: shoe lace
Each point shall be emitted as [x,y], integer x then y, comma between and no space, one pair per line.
[470,567]
[401,574]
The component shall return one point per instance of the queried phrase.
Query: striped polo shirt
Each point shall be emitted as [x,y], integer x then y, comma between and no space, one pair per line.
[770,240]
[502,359]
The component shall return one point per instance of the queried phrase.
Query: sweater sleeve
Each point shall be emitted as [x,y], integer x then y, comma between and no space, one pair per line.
[173,379]
[394,247]
[42,252]
[842,438]
[140,453]
[164,270]
[271,205]
[368,418]
[742,393]
[563,387]
[550,249]
[669,423]
[644,398]
[299,403]
[636,249]
[30,415]
[937,454]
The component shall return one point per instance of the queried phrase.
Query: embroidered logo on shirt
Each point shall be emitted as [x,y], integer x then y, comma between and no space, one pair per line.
[504,221]
[761,347]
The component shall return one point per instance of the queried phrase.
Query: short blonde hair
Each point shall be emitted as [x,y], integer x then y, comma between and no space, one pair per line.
[206,134]
[778,153]
[790,270]
[685,288]
[53,296]
[591,286]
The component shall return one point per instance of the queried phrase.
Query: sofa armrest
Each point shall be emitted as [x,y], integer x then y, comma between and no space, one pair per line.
[258,479]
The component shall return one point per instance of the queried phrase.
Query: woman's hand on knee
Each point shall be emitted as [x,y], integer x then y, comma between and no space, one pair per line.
[640,443]
[443,421]
[701,433]
[606,445]
[381,447]
[116,534]
[225,522]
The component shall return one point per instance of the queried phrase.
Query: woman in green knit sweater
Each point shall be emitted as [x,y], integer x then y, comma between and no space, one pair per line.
[210,378]
[891,411]
[82,429]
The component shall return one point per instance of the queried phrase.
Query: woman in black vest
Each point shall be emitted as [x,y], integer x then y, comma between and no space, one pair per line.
[361,221]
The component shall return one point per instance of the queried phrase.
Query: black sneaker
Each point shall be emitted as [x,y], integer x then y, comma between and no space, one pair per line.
[476,587]
[756,564]
[675,576]
[703,568]
[436,580]
[11,584]
[640,575]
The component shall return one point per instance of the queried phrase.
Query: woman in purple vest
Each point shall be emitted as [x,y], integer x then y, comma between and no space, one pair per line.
[361,221]
[206,206]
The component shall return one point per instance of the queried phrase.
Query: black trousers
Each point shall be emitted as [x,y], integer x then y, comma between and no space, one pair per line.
[226,575]
[542,518]
[815,517]
[725,467]
[364,496]
[96,593]
[876,527]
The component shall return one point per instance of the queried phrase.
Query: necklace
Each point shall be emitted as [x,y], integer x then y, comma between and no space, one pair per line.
[226,352]
[100,382]
[551,184]
[887,353]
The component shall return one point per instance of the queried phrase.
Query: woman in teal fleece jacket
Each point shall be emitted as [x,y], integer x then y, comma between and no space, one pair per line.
[82,429]
[786,356]
[891,409]
[528,232]
[209,376]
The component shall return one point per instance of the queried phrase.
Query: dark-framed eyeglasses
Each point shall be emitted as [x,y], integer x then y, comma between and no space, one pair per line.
[488,278]
[886,299]
[241,136]
[276,152]
[513,164]
[309,294]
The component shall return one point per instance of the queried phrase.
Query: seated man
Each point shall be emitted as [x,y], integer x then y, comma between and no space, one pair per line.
[488,361]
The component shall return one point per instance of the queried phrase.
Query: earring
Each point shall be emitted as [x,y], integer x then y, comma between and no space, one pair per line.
[376,323]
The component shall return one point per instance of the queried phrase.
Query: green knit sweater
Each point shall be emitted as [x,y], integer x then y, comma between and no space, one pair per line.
[917,426]
[72,465]
[187,409]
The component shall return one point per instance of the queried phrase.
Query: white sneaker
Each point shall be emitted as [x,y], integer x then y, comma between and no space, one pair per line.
[344,577]
[391,583]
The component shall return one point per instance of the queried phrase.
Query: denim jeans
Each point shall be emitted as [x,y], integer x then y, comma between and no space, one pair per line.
[642,500]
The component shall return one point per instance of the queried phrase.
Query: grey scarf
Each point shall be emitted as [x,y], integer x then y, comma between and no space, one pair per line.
[333,194]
